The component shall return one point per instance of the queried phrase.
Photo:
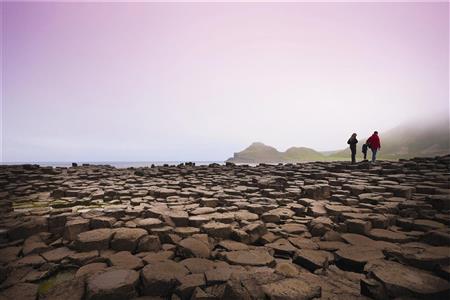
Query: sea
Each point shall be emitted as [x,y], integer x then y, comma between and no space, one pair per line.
[117,164]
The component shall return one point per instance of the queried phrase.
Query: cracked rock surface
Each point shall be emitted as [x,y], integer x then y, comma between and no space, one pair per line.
[321,230]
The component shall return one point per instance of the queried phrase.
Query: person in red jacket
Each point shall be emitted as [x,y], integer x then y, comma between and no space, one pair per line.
[374,145]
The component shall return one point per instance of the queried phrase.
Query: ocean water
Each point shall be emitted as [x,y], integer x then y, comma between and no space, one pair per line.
[117,164]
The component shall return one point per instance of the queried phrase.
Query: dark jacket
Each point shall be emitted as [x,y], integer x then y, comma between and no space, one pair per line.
[364,148]
[352,142]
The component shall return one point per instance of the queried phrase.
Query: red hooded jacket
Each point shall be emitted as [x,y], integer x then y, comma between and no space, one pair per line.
[374,142]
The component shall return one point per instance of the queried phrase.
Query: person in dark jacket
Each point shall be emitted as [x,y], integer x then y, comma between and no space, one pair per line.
[374,144]
[364,150]
[352,141]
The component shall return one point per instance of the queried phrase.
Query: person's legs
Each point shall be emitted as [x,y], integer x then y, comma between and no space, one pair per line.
[353,157]
[374,154]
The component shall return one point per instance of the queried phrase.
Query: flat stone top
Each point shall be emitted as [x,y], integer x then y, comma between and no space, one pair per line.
[164,269]
[402,276]
[112,279]
[95,235]
[360,254]
[250,257]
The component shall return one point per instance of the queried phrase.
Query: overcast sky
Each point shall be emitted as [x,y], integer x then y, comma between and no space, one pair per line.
[199,81]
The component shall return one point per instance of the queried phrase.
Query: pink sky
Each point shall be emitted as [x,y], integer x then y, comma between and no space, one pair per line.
[199,81]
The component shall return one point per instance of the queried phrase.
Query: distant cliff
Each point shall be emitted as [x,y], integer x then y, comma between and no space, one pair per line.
[261,153]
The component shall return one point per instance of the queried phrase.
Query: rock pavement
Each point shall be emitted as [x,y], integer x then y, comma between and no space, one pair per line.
[323,230]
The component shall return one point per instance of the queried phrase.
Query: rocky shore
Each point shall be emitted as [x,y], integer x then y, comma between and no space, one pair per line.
[325,230]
